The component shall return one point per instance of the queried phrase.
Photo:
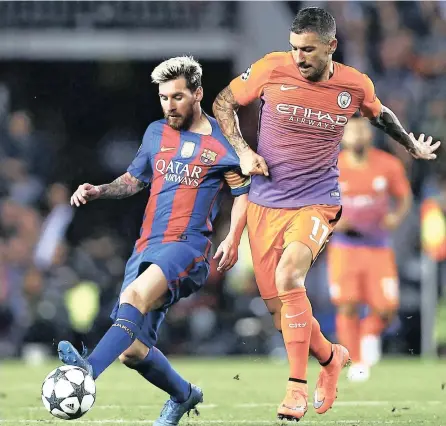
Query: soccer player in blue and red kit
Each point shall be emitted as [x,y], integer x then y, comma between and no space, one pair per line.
[185,159]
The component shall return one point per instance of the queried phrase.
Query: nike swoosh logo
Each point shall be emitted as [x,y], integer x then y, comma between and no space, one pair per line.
[293,316]
[165,148]
[285,87]
[316,403]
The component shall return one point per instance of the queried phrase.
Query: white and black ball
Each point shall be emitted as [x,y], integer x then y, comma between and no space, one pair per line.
[68,392]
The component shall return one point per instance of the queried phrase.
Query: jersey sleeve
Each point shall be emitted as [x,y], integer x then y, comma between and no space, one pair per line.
[399,185]
[371,105]
[141,168]
[248,86]
[238,182]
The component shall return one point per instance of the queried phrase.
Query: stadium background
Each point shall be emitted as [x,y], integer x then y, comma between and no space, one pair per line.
[75,98]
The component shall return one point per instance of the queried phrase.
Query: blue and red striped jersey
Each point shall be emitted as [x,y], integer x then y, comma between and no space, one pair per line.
[186,172]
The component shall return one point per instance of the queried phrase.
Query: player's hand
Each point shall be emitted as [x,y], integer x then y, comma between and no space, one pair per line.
[228,253]
[423,149]
[252,163]
[391,221]
[86,192]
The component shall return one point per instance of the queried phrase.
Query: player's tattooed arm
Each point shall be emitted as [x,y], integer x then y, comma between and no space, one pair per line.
[122,187]
[225,109]
[388,122]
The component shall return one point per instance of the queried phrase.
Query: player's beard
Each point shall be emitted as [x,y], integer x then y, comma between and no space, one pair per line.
[178,121]
[314,73]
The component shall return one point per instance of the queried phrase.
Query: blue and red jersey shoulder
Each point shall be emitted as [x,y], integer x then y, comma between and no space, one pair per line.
[186,172]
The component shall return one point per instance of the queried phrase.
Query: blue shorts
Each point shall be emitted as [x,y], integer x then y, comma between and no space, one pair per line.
[186,270]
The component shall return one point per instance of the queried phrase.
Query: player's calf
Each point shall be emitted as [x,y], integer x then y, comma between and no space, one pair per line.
[296,324]
[145,292]
[132,356]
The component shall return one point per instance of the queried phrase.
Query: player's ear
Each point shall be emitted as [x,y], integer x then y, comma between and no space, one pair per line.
[198,94]
[332,45]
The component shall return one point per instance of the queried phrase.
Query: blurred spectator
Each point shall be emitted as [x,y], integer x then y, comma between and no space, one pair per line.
[55,225]
[21,141]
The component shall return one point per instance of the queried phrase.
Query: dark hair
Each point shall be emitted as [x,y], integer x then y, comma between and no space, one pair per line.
[315,20]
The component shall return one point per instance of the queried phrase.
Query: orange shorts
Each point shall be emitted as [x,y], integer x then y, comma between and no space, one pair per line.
[363,275]
[272,230]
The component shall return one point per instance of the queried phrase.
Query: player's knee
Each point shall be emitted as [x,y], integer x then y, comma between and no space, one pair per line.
[289,278]
[132,297]
[349,309]
[293,267]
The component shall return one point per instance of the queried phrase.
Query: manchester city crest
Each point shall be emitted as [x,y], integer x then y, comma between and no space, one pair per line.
[344,99]
[208,157]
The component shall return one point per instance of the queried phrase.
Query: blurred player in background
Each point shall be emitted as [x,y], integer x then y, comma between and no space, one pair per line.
[361,262]
[185,160]
[306,101]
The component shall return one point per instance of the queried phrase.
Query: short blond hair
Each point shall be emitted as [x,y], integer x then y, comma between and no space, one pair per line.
[180,66]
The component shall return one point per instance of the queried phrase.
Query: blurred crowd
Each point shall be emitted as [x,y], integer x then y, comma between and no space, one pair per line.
[60,276]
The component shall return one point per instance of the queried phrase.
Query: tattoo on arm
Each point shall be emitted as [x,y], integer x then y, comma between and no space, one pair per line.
[122,187]
[225,111]
[388,122]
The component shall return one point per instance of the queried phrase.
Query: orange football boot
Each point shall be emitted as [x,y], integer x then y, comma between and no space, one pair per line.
[295,404]
[326,386]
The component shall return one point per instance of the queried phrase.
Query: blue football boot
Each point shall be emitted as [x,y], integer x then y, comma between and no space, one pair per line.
[69,355]
[172,412]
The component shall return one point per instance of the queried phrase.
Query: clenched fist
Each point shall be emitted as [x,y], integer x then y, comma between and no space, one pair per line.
[252,163]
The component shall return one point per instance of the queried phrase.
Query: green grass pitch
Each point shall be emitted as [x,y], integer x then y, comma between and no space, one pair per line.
[239,391]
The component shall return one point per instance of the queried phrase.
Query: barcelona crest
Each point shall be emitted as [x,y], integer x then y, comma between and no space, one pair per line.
[208,157]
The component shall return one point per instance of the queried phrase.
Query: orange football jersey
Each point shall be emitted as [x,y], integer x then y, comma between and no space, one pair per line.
[300,128]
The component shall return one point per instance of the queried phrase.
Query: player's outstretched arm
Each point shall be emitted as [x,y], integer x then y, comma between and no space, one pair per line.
[122,187]
[228,249]
[388,122]
[225,109]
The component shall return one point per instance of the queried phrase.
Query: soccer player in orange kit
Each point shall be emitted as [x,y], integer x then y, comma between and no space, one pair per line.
[361,262]
[306,101]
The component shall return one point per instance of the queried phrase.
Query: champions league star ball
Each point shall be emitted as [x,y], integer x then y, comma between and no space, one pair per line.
[68,392]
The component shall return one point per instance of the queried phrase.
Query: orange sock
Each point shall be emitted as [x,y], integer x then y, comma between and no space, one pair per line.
[320,347]
[347,330]
[372,324]
[296,321]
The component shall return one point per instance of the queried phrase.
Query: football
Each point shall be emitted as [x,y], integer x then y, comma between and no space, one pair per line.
[68,392]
